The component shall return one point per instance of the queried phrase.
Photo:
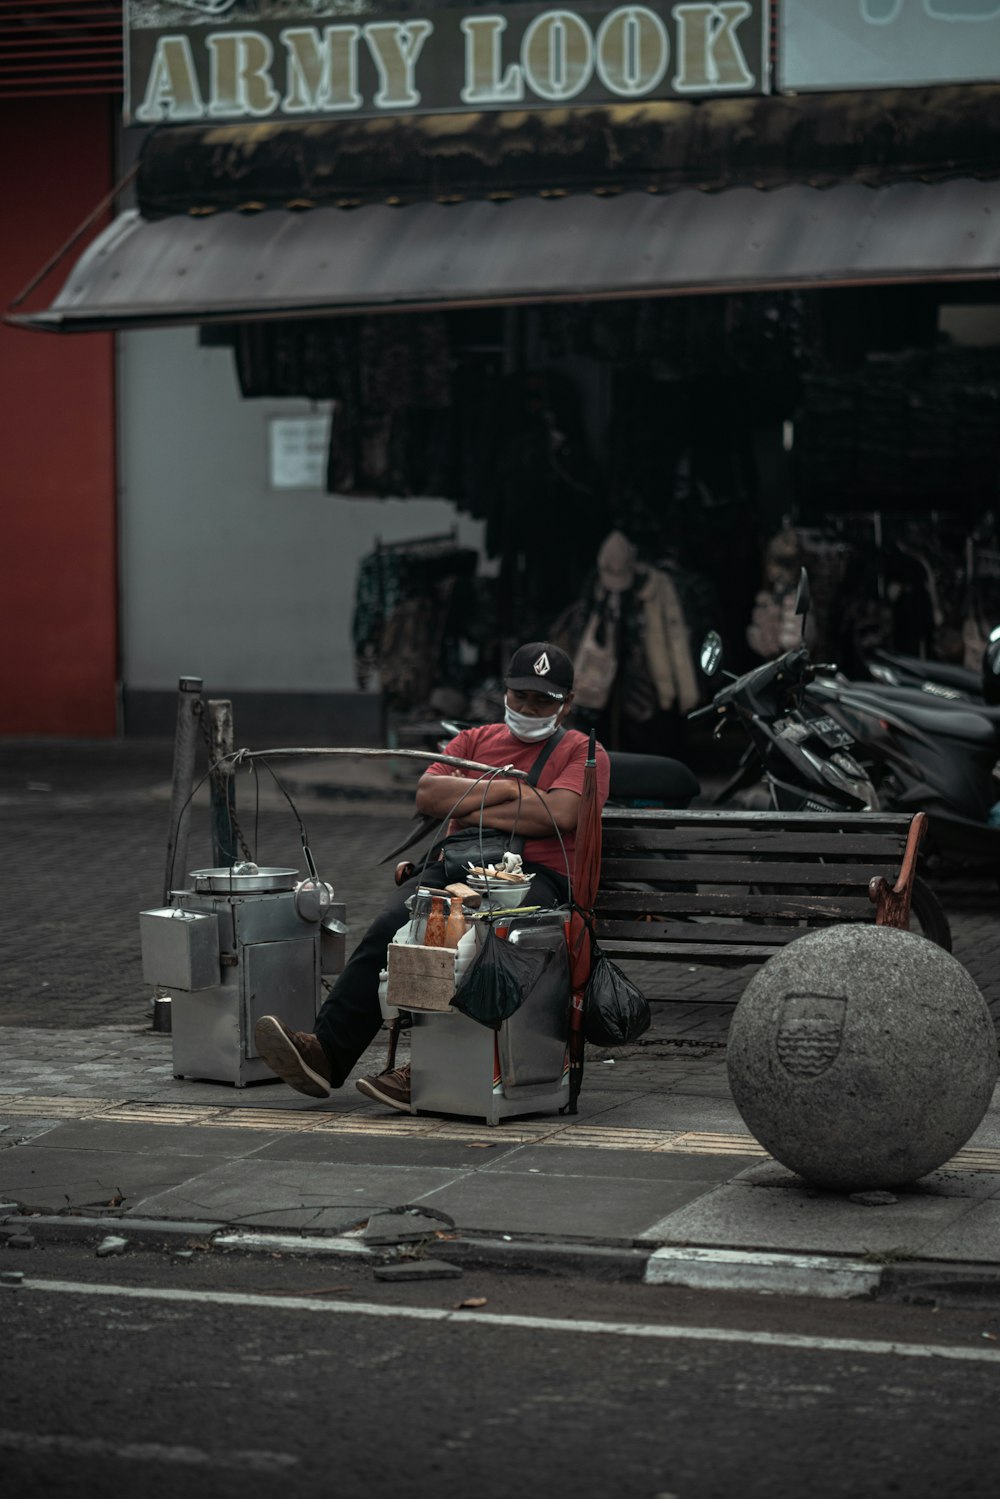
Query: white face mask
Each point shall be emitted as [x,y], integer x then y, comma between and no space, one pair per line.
[523,726]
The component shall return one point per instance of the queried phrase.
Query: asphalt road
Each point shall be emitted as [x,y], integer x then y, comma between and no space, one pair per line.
[229,1375]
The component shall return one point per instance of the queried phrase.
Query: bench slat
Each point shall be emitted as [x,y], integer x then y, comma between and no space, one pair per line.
[732,817]
[711,933]
[788,907]
[765,841]
[693,952]
[761,878]
[743,872]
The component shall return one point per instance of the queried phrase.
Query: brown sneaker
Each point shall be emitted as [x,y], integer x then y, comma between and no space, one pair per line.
[392,1088]
[296,1056]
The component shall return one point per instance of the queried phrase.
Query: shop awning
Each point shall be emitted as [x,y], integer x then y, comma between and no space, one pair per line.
[229,266]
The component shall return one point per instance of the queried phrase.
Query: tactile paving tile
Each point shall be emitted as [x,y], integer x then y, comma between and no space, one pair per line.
[560,1132]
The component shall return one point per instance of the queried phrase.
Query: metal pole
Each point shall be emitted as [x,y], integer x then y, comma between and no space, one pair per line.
[189,710]
[222,782]
[247,756]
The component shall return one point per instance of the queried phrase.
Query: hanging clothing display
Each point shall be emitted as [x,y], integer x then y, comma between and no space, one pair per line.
[915,427]
[881,581]
[668,647]
[634,655]
[774,627]
[411,603]
[547,511]
[391,432]
[391,380]
[628,461]
[686,338]
[595,664]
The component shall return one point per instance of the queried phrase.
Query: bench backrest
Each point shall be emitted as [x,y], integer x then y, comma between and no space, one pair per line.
[760,877]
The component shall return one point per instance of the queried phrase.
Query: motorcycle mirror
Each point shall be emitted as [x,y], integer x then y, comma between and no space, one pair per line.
[802,596]
[711,653]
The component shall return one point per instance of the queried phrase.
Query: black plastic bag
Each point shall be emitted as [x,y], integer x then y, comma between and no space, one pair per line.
[498,980]
[614,1010]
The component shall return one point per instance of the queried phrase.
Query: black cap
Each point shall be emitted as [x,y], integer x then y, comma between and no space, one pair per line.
[541,667]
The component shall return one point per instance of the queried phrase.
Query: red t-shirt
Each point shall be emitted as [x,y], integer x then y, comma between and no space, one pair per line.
[494,744]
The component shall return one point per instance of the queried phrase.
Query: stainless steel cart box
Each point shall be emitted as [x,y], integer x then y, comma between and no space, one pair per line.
[461,1067]
[267,958]
[180,949]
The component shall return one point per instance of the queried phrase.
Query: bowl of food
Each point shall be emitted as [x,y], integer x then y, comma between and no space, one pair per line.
[500,892]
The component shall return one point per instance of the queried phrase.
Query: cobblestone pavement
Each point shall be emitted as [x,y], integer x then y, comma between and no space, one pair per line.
[85,835]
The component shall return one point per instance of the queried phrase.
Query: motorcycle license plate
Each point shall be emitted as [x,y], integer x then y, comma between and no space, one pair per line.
[831,732]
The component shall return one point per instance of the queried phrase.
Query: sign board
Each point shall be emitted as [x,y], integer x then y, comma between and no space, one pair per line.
[297,451]
[852,44]
[230,60]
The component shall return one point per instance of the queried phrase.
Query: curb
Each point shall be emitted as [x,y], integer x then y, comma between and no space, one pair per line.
[774,1273]
[602,1261]
[73,1228]
[929,1282]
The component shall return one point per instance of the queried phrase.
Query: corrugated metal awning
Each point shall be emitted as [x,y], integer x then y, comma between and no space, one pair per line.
[281,263]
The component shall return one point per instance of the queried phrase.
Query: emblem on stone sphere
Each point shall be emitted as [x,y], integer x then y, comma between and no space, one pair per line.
[810,1030]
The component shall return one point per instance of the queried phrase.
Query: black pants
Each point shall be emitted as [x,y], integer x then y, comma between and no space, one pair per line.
[350,1018]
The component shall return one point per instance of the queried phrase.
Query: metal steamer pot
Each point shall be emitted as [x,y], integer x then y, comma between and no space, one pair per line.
[225,881]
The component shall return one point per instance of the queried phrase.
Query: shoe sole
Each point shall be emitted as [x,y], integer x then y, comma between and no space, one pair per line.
[370,1089]
[281,1055]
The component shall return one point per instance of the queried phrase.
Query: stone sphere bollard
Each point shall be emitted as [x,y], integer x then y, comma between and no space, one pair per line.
[862,1056]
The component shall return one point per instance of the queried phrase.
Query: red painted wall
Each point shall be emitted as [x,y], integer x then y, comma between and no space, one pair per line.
[58,571]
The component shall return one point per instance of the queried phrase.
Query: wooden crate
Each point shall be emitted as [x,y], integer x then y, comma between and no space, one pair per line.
[421,978]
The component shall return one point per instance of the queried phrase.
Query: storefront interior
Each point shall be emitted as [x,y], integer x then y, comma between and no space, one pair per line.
[650,468]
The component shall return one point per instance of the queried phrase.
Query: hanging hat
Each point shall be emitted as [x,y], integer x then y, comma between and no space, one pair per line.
[616,563]
[541,667]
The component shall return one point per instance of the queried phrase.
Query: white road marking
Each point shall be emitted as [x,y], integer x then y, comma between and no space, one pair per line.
[664,1332]
[42,1444]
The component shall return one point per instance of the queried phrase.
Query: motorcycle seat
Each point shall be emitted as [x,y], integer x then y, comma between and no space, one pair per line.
[978,726]
[651,778]
[944,672]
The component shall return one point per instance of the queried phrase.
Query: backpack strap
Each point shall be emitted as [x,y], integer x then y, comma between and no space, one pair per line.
[543,755]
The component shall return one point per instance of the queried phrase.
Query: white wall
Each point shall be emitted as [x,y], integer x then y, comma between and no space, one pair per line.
[223,578]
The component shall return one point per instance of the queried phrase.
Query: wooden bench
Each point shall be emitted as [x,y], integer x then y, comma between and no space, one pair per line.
[729,888]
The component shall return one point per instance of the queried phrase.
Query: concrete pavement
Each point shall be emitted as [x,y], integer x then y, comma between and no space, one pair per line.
[656,1176]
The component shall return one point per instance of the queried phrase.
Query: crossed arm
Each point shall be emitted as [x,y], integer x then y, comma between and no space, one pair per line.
[498,801]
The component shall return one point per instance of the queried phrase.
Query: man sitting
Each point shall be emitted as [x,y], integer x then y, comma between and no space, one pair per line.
[539,697]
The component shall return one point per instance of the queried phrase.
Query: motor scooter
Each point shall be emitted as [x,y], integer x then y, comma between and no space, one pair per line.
[927,755]
[936,679]
[941,679]
[804,753]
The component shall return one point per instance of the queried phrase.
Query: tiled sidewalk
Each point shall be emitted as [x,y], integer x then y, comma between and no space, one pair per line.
[92,1118]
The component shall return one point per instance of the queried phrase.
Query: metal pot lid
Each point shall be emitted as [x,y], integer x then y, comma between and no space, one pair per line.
[226,881]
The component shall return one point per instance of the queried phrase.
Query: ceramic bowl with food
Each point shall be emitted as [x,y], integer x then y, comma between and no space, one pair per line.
[501,894]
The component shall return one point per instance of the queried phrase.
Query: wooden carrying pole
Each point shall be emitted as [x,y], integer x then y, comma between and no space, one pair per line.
[189,710]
